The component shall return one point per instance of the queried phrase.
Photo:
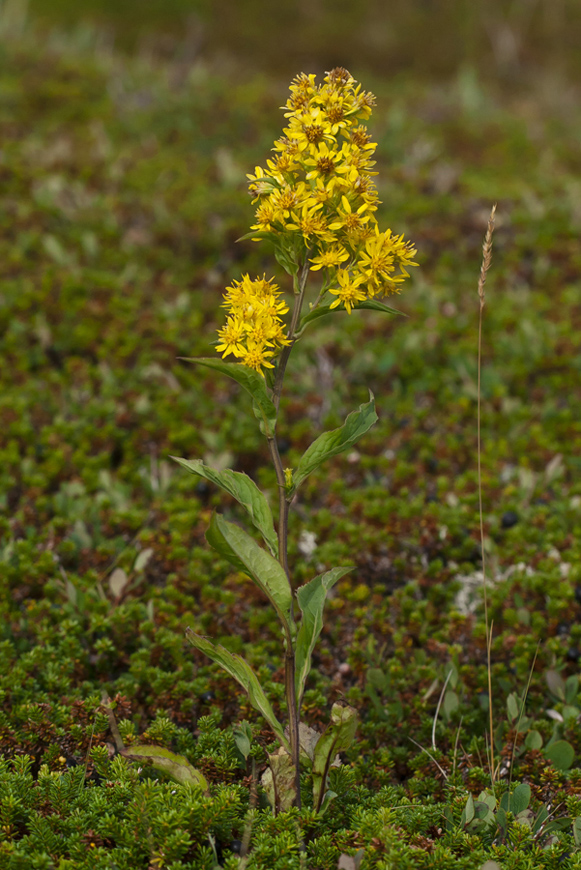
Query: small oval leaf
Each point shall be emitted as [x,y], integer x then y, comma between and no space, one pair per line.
[560,753]
[118,580]
[142,559]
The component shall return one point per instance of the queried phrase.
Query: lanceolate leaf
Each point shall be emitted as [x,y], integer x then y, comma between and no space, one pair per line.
[311,598]
[243,552]
[176,766]
[330,443]
[337,737]
[238,668]
[245,491]
[367,304]
[252,382]
[257,235]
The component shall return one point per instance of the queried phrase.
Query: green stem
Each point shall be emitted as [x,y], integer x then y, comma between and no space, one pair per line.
[283,505]
[300,285]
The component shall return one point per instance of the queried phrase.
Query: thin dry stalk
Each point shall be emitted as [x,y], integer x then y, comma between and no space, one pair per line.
[486,260]
[441,698]
[521,714]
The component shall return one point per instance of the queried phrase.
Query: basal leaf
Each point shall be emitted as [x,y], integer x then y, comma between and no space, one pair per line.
[311,598]
[244,490]
[367,304]
[331,443]
[244,553]
[279,781]
[238,668]
[250,380]
[337,737]
[176,766]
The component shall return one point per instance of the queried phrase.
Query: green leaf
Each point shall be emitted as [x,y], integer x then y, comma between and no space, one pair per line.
[367,304]
[526,817]
[520,798]
[243,738]
[577,830]
[560,753]
[513,706]
[533,740]
[250,380]
[556,684]
[257,235]
[450,704]
[482,812]
[468,812]
[243,552]
[238,668]
[571,688]
[330,796]
[337,737]
[331,443]
[244,490]
[487,799]
[540,818]
[176,766]
[311,598]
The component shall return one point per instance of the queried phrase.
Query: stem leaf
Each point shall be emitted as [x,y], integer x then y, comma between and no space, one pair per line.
[247,556]
[176,766]
[258,235]
[244,490]
[238,668]
[250,380]
[337,737]
[366,304]
[331,443]
[311,598]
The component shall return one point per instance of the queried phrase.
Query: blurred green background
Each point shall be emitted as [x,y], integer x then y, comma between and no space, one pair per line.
[509,41]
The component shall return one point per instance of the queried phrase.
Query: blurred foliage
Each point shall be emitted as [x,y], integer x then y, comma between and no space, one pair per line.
[506,40]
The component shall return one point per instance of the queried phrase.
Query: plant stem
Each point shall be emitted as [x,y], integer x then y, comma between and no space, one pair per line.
[294,717]
[486,259]
[283,505]
[300,285]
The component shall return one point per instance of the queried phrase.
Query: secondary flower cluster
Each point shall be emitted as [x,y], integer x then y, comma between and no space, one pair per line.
[319,189]
[254,329]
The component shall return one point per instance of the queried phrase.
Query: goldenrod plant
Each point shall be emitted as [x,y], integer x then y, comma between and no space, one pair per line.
[315,203]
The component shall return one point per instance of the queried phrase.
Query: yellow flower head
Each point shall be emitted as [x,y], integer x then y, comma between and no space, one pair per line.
[316,199]
[254,330]
[349,291]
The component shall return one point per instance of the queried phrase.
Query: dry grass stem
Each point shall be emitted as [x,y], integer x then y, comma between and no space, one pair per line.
[486,260]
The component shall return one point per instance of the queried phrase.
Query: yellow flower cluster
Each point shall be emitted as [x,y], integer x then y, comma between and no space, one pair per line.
[254,329]
[318,189]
